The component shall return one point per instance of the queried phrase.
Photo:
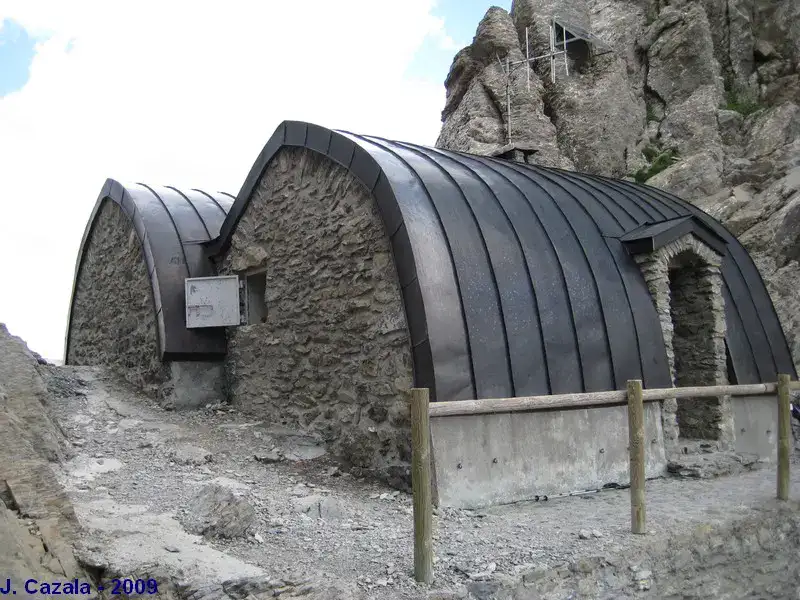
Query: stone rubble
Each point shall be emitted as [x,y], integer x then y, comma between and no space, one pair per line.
[187,454]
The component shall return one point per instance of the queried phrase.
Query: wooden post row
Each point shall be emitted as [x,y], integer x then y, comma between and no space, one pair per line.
[784,436]
[637,456]
[421,485]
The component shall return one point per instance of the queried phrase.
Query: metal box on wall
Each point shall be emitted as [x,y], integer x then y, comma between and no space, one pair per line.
[212,301]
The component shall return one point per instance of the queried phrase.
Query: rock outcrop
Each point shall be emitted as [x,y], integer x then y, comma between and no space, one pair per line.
[475,115]
[701,99]
[37,522]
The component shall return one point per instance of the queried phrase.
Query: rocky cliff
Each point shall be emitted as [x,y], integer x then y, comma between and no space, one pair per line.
[37,521]
[700,98]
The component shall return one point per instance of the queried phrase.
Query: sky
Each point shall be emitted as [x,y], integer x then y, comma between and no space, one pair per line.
[172,92]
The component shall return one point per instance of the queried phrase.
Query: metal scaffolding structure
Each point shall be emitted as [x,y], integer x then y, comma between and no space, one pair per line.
[560,34]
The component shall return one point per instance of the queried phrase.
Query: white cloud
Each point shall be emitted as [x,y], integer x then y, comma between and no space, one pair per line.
[180,93]
[437,31]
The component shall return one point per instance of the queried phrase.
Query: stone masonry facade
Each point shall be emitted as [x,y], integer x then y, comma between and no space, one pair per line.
[333,355]
[113,316]
[685,281]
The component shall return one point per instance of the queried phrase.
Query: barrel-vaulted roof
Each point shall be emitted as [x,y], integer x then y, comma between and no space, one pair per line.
[172,225]
[516,279]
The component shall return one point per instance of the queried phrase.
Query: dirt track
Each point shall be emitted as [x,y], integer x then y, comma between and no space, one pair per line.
[133,477]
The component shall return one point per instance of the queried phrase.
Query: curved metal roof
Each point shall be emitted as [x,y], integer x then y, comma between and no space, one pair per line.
[171,225]
[514,279]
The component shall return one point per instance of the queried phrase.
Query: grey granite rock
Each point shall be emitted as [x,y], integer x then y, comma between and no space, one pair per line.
[217,511]
[37,521]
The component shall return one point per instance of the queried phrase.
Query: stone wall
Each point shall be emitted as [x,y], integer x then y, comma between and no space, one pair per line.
[333,355]
[113,317]
[699,313]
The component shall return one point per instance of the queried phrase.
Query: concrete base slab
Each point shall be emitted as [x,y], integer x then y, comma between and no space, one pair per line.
[194,384]
[755,421]
[485,460]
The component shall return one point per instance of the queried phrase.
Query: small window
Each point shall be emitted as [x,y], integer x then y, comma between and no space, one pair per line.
[255,292]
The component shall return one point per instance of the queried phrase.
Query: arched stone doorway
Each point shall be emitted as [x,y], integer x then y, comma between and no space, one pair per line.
[685,280]
[696,317]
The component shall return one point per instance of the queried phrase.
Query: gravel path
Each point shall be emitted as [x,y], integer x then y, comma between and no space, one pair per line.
[130,482]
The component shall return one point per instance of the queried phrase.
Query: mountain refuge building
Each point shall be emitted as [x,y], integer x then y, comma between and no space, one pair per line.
[351,268]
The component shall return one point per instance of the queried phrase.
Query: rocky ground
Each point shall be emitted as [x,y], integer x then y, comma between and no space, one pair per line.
[198,499]
[98,482]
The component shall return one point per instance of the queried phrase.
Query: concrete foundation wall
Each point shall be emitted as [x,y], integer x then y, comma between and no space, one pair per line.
[756,426]
[333,355]
[484,460]
[194,384]
[113,318]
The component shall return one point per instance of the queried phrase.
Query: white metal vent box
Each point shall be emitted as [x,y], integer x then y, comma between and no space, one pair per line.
[212,301]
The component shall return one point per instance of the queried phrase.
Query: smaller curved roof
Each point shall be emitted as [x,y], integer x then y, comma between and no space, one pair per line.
[171,225]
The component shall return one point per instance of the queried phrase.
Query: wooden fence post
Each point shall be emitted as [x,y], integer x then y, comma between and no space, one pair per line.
[784,436]
[421,485]
[637,457]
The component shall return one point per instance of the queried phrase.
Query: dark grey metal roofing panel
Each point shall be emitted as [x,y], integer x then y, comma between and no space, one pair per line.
[474,271]
[171,226]
[403,255]
[627,214]
[643,338]
[591,216]
[434,274]
[186,221]
[211,208]
[318,138]
[341,150]
[295,134]
[575,239]
[518,296]
[644,341]
[514,278]
[558,337]
[364,167]
[744,363]
[392,217]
